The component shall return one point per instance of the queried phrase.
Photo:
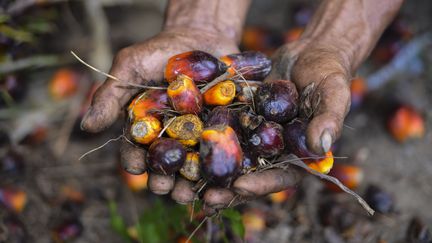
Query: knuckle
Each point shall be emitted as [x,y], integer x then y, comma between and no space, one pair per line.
[123,56]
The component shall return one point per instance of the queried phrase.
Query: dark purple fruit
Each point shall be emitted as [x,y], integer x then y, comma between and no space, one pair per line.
[337,215]
[13,230]
[14,88]
[12,163]
[67,231]
[294,134]
[277,101]
[379,200]
[166,156]
[220,154]
[250,161]
[249,121]
[252,65]
[267,139]
[418,232]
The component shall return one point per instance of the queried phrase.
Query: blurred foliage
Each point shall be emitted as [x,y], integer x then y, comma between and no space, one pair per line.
[164,222]
[235,221]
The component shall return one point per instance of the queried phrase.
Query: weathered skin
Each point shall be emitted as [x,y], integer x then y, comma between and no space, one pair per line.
[337,40]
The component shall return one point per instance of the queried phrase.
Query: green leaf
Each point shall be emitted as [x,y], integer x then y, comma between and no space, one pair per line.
[235,219]
[117,222]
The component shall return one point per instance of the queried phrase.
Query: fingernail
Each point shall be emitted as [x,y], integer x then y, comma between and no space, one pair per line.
[84,119]
[326,141]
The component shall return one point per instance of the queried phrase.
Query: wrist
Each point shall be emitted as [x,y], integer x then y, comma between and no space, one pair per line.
[223,18]
[351,28]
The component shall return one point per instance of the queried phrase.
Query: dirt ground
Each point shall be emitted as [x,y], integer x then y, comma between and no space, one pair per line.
[403,170]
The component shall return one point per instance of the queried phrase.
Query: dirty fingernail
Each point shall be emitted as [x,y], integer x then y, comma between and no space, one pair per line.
[326,141]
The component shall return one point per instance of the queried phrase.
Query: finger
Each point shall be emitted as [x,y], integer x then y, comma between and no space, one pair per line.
[182,192]
[218,198]
[109,98]
[160,184]
[132,158]
[269,181]
[327,122]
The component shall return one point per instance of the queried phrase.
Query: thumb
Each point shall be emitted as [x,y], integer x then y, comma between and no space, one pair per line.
[111,96]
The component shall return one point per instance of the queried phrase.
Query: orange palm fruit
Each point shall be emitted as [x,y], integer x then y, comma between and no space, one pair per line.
[184,95]
[191,167]
[186,129]
[150,102]
[222,93]
[250,65]
[405,124]
[13,198]
[349,175]
[221,155]
[293,34]
[202,67]
[253,221]
[146,129]
[135,182]
[322,165]
[282,196]
[358,89]
[63,84]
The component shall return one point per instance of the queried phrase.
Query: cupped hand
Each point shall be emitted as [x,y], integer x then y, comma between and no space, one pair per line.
[302,62]
[146,61]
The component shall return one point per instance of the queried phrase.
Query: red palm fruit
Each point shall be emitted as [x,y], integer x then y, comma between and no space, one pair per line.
[222,93]
[246,91]
[186,129]
[220,154]
[405,124]
[63,84]
[166,156]
[13,198]
[267,139]
[184,95]
[135,182]
[145,130]
[250,65]
[200,66]
[37,136]
[350,175]
[67,231]
[358,91]
[191,167]
[293,34]
[277,101]
[282,196]
[250,161]
[150,102]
